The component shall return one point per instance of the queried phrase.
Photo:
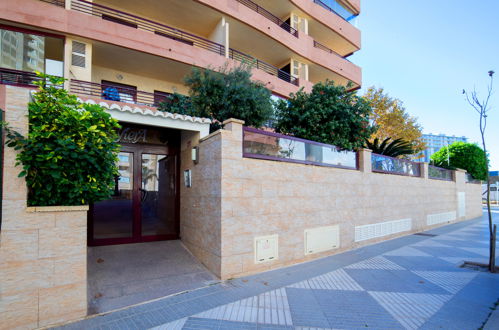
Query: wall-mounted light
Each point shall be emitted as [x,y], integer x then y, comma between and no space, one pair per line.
[195,154]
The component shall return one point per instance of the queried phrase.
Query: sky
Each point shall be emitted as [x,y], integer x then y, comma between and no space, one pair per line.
[426,52]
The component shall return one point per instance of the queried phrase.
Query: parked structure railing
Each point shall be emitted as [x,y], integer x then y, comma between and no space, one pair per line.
[17,77]
[60,3]
[269,68]
[115,93]
[120,17]
[278,147]
[267,14]
[390,165]
[438,173]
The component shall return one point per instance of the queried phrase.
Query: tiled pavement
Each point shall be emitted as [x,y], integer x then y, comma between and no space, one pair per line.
[413,282]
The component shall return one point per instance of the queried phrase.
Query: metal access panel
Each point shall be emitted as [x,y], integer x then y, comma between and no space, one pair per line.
[461,204]
[322,239]
[266,248]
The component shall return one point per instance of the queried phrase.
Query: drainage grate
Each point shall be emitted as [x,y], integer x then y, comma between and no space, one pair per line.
[425,234]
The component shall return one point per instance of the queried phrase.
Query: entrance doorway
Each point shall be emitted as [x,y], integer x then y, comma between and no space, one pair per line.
[144,206]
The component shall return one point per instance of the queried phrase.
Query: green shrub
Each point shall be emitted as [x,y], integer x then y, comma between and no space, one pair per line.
[329,114]
[223,94]
[466,156]
[69,156]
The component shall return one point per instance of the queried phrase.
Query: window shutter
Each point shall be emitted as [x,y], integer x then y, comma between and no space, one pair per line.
[78,55]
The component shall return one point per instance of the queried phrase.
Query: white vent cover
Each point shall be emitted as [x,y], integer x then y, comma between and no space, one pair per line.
[266,248]
[461,204]
[78,54]
[381,229]
[434,219]
[322,239]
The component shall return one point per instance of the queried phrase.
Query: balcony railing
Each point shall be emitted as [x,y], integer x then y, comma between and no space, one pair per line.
[17,77]
[273,146]
[117,16]
[390,165]
[60,3]
[340,11]
[438,173]
[329,50]
[275,71]
[262,11]
[115,93]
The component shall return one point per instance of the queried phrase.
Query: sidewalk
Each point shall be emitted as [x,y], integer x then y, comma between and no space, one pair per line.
[413,282]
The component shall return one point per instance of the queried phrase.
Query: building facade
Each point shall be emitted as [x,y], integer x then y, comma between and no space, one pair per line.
[436,142]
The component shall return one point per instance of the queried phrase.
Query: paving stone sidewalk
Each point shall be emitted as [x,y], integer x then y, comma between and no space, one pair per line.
[413,282]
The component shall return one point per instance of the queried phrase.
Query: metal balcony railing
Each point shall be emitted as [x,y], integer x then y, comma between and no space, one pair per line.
[267,14]
[346,16]
[120,17]
[60,3]
[326,49]
[275,71]
[115,93]
[17,77]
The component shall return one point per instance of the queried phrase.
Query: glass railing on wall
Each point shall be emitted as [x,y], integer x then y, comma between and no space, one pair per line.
[337,8]
[438,173]
[273,146]
[390,165]
[471,179]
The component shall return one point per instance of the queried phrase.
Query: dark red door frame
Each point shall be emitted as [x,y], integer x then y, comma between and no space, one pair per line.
[137,150]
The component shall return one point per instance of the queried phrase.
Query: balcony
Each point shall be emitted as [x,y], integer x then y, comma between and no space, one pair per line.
[17,77]
[337,8]
[267,14]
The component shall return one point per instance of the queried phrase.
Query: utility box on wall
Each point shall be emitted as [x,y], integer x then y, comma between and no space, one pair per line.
[266,248]
[322,239]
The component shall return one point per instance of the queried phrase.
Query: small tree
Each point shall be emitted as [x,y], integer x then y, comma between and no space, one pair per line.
[482,108]
[329,114]
[463,155]
[392,120]
[223,94]
[69,156]
[395,148]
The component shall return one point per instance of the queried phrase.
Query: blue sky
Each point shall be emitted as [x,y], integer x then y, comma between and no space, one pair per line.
[425,52]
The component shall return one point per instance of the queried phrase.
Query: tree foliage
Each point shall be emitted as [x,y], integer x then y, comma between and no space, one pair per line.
[223,94]
[395,148]
[329,114]
[463,155]
[176,103]
[69,156]
[392,119]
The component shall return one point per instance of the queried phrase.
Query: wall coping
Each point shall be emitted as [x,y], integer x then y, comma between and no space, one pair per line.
[209,136]
[233,120]
[76,208]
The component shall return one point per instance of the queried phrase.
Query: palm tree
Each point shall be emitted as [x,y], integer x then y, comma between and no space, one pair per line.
[396,148]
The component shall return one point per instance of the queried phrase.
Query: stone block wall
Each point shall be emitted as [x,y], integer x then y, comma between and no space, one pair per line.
[43,250]
[260,198]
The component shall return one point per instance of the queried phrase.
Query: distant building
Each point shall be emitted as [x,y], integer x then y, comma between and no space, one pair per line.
[435,142]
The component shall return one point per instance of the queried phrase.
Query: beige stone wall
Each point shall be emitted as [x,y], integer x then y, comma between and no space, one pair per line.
[262,198]
[200,205]
[43,272]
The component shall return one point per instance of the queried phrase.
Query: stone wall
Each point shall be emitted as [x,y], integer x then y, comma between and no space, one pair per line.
[200,205]
[261,198]
[43,263]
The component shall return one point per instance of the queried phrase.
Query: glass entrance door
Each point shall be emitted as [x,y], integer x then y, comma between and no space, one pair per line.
[144,204]
[158,195]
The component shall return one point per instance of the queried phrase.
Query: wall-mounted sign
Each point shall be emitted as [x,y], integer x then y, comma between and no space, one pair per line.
[132,135]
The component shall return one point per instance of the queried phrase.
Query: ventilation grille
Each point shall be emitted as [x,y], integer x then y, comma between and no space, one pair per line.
[78,55]
[381,229]
[434,219]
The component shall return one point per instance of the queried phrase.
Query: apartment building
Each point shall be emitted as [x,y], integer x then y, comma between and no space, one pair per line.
[436,142]
[129,55]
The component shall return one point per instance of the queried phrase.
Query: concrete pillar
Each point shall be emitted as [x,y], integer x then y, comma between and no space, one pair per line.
[365,163]
[78,72]
[220,34]
[423,169]
[235,126]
